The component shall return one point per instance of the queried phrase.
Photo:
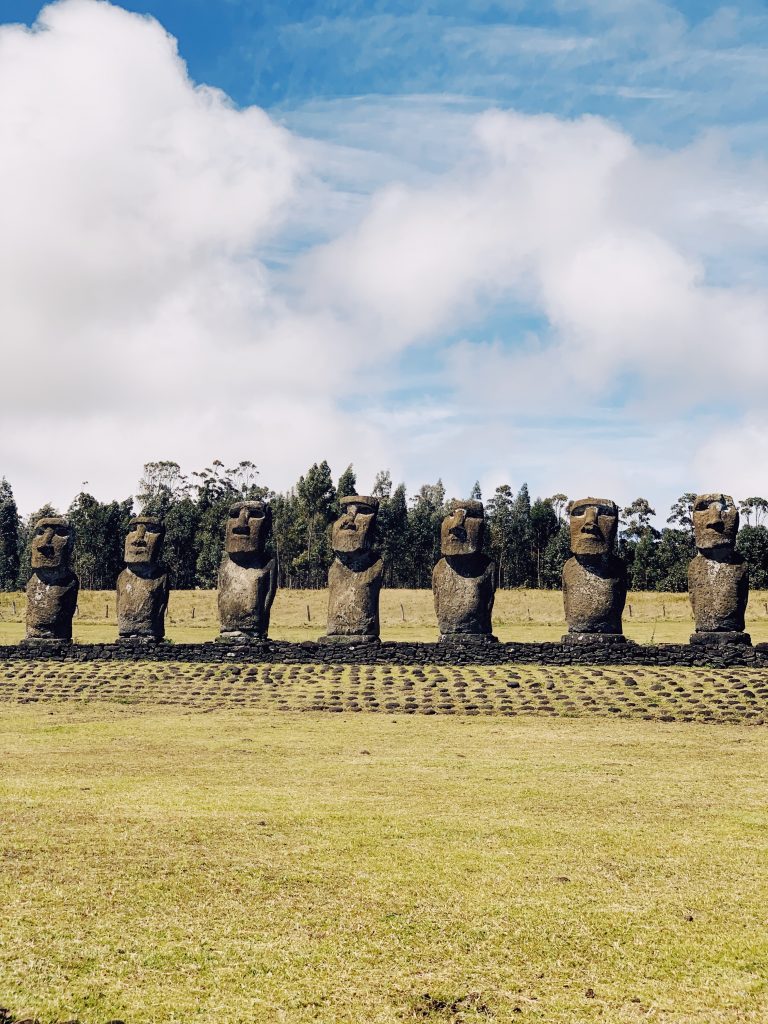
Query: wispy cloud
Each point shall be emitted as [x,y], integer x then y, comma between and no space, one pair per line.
[416,281]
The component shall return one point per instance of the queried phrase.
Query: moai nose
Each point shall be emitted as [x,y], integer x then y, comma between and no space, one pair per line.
[461,515]
[48,536]
[140,531]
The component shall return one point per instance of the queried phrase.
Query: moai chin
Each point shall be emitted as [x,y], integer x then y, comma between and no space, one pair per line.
[247,577]
[142,587]
[464,580]
[53,587]
[718,576]
[594,578]
[354,579]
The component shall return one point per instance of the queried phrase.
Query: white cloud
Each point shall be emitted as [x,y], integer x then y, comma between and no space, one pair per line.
[154,306]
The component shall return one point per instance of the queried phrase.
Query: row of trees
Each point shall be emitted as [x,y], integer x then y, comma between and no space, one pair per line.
[528,539]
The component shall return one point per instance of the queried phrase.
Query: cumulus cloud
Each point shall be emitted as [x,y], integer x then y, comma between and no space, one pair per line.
[183,279]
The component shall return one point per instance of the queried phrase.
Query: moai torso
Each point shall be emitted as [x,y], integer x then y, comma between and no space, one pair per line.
[52,587]
[246,593]
[353,598]
[51,603]
[464,588]
[719,591]
[141,605]
[594,594]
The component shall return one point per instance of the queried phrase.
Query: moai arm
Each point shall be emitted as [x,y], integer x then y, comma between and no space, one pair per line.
[566,602]
[166,594]
[743,587]
[70,598]
[491,573]
[436,590]
[271,591]
[621,596]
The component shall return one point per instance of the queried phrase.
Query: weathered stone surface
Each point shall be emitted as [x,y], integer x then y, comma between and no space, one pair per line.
[53,587]
[354,579]
[359,652]
[594,579]
[724,638]
[142,587]
[718,576]
[247,577]
[598,639]
[464,580]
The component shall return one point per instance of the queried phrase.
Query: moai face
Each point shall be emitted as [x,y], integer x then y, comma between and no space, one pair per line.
[461,532]
[248,527]
[594,522]
[144,540]
[715,521]
[52,543]
[353,530]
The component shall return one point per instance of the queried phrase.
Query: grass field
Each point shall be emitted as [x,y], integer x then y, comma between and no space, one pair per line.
[497,843]
[522,615]
[160,865]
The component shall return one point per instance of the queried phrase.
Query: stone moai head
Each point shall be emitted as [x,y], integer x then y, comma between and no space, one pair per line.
[144,541]
[249,524]
[461,532]
[353,530]
[715,522]
[594,523]
[52,543]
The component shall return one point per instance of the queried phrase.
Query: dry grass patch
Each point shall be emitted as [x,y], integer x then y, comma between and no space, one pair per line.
[245,866]
[519,615]
[641,692]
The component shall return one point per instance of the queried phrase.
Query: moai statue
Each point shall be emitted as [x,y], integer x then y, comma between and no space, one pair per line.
[464,580]
[247,577]
[142,587]
[52,588]
[354,579]
[594,579]
[718,576]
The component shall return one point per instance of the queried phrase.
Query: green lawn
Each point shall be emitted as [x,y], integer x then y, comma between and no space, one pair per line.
[162,865]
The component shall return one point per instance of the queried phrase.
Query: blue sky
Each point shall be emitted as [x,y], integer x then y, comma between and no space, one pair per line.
[666,71]
[528,234]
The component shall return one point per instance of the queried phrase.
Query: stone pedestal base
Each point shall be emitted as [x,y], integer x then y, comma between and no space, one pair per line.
[594,639]
[49,643]
[343,639]
[141,641]
[722,639]
[474,639]
[241,638]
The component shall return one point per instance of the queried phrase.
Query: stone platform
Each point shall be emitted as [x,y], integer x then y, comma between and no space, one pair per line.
[721,655]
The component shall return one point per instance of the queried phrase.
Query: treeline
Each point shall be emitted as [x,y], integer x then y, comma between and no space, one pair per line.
[528,539]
